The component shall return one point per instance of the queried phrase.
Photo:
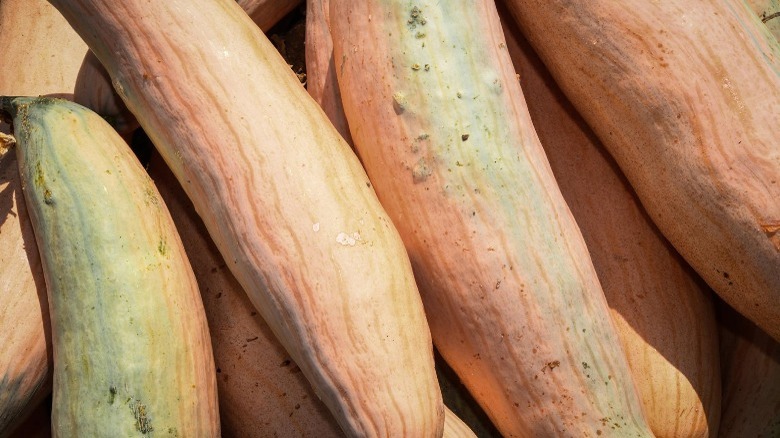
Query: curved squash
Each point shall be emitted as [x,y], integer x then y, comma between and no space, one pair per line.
[41,55]
[321,81]
[663,312]
[131,347]
[514,303]
[284,199]
[687,106]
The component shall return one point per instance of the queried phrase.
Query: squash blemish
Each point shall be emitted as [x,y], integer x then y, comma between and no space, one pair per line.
[421,171]
[142,421]
[111,394]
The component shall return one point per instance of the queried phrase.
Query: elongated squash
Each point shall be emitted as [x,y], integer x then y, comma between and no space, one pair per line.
[93,90]
[663,311]
[685,96]
[321,81]
[39,55]
[261,391]
[284,199]
[25,358]
[131,347]
[93,87]
[514,303]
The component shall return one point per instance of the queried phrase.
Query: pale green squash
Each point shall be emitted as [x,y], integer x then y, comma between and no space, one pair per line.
[132,353]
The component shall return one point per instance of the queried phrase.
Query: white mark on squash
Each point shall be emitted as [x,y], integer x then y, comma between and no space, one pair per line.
[399,102]
[348,240]
[315,227]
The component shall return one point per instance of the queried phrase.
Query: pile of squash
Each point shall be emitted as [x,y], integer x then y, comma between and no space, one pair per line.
[576,202]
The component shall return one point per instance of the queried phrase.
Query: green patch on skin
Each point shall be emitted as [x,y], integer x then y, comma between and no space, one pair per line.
[39,181]
[162,248]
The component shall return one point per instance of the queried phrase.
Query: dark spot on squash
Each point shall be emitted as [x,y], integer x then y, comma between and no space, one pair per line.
[111,394]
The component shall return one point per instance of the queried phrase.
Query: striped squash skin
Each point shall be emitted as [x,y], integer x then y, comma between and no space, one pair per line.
[283,197]
[321,82]
[663,311]
[515,307]
[454,427]
[261,391]
[685,95]
[40,55]
[131,347]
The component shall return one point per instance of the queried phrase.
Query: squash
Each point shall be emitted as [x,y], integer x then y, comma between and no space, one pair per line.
[41,56]
[131,347]
[750,360]
[321,81]
[93,90]
[685,96]
[284,199]
[514,304]
[261,390]
[25,359]
[663,311]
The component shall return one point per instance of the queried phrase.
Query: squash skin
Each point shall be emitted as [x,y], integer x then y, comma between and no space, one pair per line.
[514,303]
[40,55]
[43,51]
[687,107]
[274,183]
[25,353]
[261,391]
[663,311]
[321,81]
[119,284]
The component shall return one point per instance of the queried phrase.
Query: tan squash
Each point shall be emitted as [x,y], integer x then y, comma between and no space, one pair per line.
[284,199]
[750,360]
[262,392]
[685,96]
[93,89]
[515,307]
[321,81]
[663,311]
[40,55]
